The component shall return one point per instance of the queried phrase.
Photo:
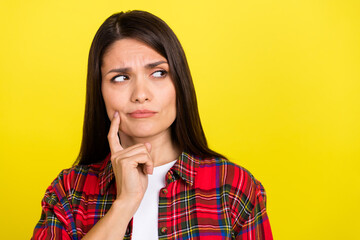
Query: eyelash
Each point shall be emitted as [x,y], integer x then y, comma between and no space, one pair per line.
[120,75]
[163,74]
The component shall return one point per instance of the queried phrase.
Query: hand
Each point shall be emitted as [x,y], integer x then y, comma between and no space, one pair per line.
[130,165]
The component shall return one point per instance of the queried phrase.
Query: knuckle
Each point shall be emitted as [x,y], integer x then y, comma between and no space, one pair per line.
[145,157]
[113,158]
[109,135]
[117,160]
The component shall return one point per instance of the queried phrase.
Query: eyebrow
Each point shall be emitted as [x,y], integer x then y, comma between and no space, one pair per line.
[127,69]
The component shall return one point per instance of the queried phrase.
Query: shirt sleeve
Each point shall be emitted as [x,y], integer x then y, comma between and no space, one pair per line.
[53,223]
[256,226]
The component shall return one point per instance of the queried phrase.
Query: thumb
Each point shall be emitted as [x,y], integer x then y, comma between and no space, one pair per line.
[149,167]
[148,147]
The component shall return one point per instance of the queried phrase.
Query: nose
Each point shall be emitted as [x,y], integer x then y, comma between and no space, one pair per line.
[140,92]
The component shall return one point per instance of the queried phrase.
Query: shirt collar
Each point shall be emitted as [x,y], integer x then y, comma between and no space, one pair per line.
[185,167]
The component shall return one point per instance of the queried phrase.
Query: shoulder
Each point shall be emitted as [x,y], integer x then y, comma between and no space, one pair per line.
[244,193]
[227,173]
[233,180]
[80,178]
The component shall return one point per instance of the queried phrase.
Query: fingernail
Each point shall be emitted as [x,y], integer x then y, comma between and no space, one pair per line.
[116,114]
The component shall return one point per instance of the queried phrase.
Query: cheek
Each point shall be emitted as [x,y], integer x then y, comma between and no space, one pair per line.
[111,101]
[170,99]
[109,110]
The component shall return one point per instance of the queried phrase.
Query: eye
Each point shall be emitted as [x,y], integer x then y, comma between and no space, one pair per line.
[159,73]
[119,78]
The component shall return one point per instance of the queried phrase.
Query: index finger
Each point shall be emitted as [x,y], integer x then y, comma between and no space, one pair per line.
[113,137]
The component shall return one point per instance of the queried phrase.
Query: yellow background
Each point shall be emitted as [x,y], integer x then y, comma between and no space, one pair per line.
[278,86]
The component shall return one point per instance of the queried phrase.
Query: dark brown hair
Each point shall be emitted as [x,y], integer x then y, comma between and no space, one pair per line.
[186,130]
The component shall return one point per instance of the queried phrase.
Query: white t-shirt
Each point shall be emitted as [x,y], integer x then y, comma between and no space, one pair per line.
[145,220]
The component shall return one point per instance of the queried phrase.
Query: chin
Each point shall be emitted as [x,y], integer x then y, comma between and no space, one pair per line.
[145,131]
[144,134]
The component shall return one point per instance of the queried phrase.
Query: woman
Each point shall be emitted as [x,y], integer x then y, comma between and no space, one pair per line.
[144,170]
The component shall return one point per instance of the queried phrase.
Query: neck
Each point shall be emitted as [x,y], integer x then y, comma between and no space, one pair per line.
[163,150]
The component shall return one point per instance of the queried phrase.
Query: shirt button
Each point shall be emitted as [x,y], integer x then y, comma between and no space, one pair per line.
[163,230]
[164,191]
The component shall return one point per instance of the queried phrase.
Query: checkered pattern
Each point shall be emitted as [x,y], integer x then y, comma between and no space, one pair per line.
[203,199]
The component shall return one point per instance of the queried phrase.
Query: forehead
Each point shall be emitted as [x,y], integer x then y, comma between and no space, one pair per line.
[129,51]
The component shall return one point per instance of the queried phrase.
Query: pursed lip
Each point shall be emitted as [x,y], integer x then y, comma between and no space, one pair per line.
[144,113]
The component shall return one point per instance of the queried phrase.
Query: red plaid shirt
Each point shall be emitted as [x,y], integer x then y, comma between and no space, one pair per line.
[203,199]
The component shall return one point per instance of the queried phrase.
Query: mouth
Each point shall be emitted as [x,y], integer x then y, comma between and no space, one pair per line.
[142,113]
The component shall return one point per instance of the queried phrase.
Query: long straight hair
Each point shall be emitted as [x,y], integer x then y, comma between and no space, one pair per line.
[186,130]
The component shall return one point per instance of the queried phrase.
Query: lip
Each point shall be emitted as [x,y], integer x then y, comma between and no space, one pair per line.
[142,113]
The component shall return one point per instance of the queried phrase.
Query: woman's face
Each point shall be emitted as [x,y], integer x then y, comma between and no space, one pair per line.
[137,84]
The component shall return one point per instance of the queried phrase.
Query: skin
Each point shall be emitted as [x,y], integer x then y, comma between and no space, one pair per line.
[138,88]
[135,77]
